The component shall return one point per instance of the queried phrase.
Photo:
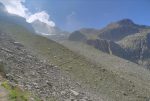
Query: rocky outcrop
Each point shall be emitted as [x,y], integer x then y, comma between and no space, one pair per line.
[28,72]
[109,47]
[138,47]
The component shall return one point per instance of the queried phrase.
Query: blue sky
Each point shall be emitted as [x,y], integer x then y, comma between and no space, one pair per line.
[71,15]
[75,14]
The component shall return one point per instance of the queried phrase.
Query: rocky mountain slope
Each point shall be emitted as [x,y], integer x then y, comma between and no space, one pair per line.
[104,83]
[125,69]
[114,31]
[109,47]
[77,36]
[124,39]
[137,46]
[54,72]
[28,72]
[118,30]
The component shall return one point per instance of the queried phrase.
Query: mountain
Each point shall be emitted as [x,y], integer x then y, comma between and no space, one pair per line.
[123,38]
[5,16]
[83,34]
[109,47]
[119,66]
[48,69]
[107,80]
[138,46]
[114,31]
[53,72]
[29,72]
[37,26]
[118,30]
[48,31]
[77,36]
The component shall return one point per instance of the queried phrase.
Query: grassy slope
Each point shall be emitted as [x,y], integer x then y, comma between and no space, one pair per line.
[99,79]
[129,71]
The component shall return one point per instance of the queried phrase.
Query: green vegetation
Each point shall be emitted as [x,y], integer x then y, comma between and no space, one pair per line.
[15,94]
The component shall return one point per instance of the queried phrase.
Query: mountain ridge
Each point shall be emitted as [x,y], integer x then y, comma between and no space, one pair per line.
[128,40]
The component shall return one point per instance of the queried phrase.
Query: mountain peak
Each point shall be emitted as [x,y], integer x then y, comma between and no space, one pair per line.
[126,22]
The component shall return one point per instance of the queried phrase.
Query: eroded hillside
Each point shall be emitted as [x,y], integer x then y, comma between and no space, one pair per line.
[28,72]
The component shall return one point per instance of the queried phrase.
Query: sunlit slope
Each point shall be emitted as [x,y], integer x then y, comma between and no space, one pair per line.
[101,81]
[125,69]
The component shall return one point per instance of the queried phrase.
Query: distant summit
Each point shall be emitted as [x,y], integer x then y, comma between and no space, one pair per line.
[126,22]
[123,22]
[123,38]
[114,31]
[120,29]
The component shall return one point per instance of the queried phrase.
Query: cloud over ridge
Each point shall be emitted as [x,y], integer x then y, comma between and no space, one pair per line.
[17,7]
[41,16]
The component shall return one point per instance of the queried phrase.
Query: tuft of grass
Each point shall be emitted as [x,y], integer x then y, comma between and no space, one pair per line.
[15,94]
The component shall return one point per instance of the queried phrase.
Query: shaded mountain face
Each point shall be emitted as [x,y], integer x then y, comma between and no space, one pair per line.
[138,47]
[105,39]
[48,31]
[118,30]
[124,39]
[5,16]
[109,47]
[77,36]
[83,34]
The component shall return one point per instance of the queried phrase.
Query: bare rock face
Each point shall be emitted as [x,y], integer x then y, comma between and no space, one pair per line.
[28,72]
[138,47]
[109,47]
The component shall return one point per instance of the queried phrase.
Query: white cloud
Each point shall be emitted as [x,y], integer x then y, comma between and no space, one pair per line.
[17,7]
[41,16]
